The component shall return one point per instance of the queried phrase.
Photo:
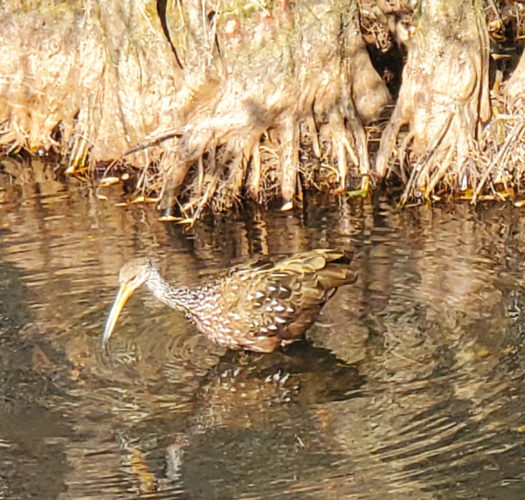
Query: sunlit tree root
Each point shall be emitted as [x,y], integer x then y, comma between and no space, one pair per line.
[212,102]
[515,86]
[301,103]
[501,157]
[443,99]
[503,154]
[505,140]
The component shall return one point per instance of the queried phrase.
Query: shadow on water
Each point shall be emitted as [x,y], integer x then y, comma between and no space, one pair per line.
[28,427]
[411,382]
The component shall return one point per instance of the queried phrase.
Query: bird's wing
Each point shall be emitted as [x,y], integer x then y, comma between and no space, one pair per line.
[282,298]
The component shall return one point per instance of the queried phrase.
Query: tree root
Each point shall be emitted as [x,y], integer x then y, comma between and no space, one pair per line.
[443,97]
[237,86]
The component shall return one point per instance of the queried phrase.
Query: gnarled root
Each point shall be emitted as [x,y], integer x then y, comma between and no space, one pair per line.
[208,100]
[443,97]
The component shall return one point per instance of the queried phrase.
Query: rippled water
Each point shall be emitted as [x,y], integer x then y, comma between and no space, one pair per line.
[411,383]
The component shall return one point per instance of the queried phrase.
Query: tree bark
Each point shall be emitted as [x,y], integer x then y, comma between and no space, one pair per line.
[515,85]
[444,97]
[219,97]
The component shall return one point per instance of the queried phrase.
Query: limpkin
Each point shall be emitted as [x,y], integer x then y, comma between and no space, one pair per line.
[258,306]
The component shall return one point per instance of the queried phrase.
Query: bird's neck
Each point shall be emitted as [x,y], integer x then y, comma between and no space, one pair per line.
[172,296]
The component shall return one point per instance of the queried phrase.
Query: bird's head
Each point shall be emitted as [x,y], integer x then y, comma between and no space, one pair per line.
[135,272]
[132,275]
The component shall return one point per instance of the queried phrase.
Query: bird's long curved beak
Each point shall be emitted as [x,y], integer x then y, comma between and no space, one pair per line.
[123,295]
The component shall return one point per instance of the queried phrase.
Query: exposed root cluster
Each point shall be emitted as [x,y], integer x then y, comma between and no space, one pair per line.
[443,97]
[219,98]
[501,160]
[445,133]
[213,102]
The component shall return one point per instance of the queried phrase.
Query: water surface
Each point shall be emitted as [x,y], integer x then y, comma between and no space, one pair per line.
[411,382]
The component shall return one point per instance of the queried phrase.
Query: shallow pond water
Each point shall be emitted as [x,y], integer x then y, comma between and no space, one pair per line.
[411,382]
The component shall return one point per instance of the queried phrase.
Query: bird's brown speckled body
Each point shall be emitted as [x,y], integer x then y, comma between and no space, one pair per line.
[259,306]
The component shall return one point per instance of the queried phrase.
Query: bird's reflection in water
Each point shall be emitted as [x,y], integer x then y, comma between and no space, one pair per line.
[259,396]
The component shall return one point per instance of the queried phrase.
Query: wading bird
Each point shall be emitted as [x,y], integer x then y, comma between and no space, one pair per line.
[259,306]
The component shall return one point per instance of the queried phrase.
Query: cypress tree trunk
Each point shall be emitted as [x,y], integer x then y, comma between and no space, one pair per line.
[444,98]
[212,100]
